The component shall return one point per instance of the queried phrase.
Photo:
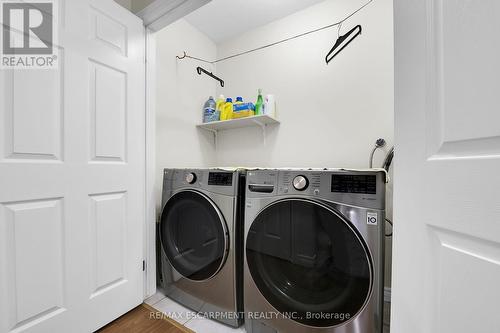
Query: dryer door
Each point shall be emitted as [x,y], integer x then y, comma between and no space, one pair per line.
[194,235]
[308,261]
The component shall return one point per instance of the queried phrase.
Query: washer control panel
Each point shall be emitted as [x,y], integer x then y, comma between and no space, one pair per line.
[357,188]
[299,182]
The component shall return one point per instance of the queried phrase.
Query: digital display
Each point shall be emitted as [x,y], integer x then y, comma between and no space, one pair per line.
[220,179]
[361,184]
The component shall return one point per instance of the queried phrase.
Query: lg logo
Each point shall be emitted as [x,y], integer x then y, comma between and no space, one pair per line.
[371,218]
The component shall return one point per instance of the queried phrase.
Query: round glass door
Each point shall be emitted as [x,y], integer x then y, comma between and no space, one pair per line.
[193,235]
[309,262]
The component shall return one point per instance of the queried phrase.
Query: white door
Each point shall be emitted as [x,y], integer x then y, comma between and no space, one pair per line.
[446,258]
[72,177]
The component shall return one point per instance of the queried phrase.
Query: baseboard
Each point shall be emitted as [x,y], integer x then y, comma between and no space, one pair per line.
[387,294]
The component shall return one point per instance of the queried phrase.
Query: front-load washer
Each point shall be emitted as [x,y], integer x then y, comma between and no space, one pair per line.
[200,236]
[314,243]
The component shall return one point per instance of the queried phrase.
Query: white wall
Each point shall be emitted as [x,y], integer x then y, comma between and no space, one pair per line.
[181,93]
[330,115]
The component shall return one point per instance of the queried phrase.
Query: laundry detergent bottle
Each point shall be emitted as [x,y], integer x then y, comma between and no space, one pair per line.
[239,100]
[220,104]
[227,110]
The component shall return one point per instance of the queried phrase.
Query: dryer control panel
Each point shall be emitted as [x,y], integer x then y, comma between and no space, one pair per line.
[220,178]
[212,180]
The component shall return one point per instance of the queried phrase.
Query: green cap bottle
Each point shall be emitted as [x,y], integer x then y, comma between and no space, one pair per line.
[259,104]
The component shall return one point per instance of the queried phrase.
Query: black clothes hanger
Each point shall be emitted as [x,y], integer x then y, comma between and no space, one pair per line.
[342,42]
[200,70]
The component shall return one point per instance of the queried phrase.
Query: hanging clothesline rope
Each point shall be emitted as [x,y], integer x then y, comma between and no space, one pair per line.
[339,23]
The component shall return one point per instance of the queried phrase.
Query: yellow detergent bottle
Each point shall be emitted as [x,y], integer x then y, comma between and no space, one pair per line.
[227,110]
[219,106]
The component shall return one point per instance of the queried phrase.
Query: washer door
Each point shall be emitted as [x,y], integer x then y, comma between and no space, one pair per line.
[309,262]
[194,235]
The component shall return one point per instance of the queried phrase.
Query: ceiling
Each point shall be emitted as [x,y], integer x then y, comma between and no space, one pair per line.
[222,20]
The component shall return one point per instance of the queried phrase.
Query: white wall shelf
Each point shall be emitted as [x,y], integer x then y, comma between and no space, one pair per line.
[261,121]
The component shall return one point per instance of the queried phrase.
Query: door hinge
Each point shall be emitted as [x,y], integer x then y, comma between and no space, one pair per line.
[144,265]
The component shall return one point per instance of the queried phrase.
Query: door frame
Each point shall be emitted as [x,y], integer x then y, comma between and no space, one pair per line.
[172,11]
[150,159]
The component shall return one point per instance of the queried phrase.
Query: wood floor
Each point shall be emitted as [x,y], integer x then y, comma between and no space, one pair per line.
[143,319]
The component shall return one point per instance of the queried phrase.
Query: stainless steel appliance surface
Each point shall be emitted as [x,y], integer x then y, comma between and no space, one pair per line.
[314,251]
[200,240]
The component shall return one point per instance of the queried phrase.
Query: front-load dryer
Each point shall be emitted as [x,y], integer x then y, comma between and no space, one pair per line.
[314,242]
[200,235]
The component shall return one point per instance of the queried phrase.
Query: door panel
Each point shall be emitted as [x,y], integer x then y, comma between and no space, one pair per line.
[461,258]
[109,31]
[108,101]
[462,93]
[72,176]
[446,255]
[29,134]
[107,224]
[38,226]
[35,133]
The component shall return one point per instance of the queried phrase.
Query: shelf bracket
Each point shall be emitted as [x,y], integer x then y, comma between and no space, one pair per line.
[263,127]
[261,121]
[214,132]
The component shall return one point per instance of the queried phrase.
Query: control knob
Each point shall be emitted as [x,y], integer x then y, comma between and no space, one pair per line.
[191,178]
[300,183]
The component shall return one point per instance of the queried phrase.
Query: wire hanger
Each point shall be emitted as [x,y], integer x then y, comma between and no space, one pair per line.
[342,42]
[185,55]
[202,70]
